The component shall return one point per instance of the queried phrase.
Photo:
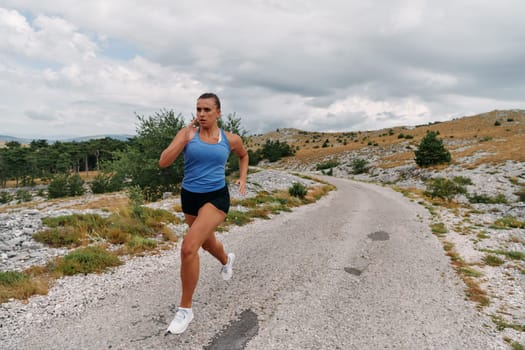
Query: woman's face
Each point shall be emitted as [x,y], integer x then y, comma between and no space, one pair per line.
[207,112]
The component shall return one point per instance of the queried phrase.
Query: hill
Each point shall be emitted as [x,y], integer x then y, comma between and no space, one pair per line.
[495,136]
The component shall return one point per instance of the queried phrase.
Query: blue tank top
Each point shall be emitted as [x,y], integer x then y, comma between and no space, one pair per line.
[204,164]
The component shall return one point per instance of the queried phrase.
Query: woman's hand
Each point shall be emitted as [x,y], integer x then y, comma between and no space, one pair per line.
[191,129]
[242,186]
[176,146]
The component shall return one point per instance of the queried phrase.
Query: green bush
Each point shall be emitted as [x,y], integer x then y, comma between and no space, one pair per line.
[332,163]
[298,190]
[483,198]
[359,166]
[444,188]
[5,197]
[23,196]
[64,185]
[58,187]
[104,183]
[75,185]
[461,180]
[275,150]
[431,151]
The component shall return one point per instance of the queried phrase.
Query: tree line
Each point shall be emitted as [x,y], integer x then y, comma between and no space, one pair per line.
[120,163]
[42,160]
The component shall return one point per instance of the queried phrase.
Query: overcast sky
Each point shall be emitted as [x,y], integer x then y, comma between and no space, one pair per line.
[79,68]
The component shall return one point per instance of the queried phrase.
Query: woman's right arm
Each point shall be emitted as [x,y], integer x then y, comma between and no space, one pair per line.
[176,146]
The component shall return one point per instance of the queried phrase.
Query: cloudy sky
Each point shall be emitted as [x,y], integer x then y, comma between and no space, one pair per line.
[78,68]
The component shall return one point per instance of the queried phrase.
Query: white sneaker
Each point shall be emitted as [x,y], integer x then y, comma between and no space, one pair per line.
[227,270]
[181,321]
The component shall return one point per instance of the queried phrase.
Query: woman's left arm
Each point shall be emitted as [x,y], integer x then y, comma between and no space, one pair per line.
[237,147]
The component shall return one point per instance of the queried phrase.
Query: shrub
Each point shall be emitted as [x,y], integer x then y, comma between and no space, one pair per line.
[461,180]
[104,183]
[483,198]
[84,260]
[298,190]
[63,185]
[327,165]
[23,196]
[444,188]
[58,186]
[359,166]
[5,197]
[431,151]
[275,150]
[497,123]
[75,185]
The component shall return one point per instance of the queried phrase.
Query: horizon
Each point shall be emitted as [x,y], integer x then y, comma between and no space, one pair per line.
[68,138]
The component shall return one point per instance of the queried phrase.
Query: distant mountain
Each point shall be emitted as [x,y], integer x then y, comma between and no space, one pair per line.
[96,137]
[122,137]
[6,138]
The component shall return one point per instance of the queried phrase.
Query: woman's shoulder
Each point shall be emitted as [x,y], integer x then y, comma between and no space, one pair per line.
[234,139]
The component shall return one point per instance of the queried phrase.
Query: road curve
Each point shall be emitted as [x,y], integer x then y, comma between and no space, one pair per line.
[359,269]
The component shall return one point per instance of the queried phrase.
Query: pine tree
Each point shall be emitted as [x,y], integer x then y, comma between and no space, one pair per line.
[431,151]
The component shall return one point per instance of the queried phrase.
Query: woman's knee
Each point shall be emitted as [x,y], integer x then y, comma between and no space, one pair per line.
[188,249]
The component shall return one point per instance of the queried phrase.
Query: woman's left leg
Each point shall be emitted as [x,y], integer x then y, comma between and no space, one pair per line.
[201,230]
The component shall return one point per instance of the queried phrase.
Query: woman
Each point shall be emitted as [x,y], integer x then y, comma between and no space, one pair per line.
[204,195]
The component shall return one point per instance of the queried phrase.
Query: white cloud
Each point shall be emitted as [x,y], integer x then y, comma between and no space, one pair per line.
[335,65]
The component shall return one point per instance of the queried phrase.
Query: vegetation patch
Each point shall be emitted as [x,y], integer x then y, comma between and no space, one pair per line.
[501,324]
[508,222]
[20,285]
[473,291]
[493,260]
[83,260]
[511,254]
[486,199]
[438,228]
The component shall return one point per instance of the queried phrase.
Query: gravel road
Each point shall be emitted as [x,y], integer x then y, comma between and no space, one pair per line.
[359,269]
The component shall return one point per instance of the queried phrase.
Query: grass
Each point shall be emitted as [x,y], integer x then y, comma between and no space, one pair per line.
[20,285]
[83,261]
[501,324]
[511,254]
[508,222]
[438,228]
[493,260]
[467,274]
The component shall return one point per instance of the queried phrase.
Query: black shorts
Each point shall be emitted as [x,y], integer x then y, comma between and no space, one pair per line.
[192,201]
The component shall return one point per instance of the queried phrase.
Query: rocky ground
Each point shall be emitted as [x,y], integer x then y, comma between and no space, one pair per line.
[469,226]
